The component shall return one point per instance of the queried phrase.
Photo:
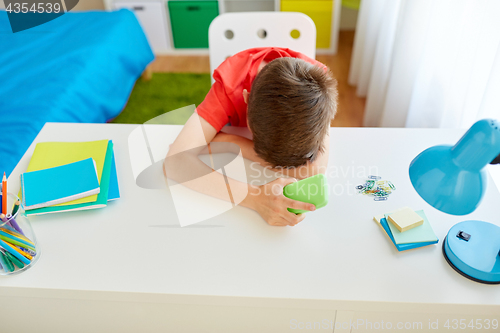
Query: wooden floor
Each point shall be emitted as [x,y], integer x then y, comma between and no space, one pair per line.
[351,108]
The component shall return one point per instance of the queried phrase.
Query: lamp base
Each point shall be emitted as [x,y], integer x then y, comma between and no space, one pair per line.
[472,249]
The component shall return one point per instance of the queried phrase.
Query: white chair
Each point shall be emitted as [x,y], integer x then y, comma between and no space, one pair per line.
[231,33]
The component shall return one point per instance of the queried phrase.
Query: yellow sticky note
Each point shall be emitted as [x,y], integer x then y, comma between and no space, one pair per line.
[405,219]
[53,154]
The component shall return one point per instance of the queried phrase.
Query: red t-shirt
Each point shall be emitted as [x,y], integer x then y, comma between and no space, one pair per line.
[224,102]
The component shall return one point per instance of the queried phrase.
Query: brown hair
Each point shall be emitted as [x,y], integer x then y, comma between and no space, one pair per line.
[290,107]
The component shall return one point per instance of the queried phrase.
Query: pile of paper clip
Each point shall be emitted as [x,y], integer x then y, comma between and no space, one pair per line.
[376,187]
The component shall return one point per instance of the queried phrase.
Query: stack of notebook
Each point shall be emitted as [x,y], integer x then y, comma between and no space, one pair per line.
[67,176]
[407,229]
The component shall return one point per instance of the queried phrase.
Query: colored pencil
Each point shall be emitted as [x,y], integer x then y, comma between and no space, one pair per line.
[15,240]
[18,249]
[15,233]
[14,260]
[14,224]
[16,254]
[3,218]
[7,265]
[16,207]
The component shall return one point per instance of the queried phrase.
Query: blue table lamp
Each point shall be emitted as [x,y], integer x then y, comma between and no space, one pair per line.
[453,180]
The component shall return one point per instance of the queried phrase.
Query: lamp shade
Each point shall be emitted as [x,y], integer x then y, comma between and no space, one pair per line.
[452,179]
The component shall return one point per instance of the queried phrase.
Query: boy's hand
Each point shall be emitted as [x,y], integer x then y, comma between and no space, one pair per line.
[269,201]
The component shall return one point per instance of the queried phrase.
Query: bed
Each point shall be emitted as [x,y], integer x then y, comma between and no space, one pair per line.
[80,67]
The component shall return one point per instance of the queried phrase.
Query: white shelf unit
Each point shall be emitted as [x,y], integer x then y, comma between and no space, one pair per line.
[156,23]
[153,20]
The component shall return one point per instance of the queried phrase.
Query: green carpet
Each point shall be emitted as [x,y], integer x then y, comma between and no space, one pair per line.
[163,93]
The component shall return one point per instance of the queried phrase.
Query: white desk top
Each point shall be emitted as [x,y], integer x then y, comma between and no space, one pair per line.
[337,253]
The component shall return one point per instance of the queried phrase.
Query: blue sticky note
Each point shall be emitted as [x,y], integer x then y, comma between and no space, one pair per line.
[60,184]
[402,247]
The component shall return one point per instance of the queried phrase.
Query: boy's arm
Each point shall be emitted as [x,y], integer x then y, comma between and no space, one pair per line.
[305,171]
[183,165]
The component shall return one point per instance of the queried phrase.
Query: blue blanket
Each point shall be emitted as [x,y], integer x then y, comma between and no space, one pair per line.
[80,67]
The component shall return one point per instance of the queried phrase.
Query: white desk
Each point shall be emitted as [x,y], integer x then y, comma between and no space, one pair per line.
[129,268]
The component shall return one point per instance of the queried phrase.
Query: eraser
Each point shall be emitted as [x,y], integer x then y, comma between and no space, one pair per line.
[405,219]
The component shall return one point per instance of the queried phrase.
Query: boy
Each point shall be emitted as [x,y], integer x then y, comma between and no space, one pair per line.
[287,100]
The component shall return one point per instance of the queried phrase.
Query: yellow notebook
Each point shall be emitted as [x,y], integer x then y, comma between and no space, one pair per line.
[53,154]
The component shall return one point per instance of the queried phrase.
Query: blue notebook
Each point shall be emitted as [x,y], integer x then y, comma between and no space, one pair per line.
[61,184]
[114,190]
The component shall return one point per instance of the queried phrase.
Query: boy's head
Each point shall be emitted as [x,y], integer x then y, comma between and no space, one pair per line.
[290,107]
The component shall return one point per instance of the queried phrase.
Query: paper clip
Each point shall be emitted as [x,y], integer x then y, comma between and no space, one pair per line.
[380,189]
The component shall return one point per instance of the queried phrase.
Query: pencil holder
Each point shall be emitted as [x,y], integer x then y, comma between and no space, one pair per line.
[19,248]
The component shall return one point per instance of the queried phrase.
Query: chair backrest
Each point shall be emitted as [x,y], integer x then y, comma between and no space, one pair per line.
[231,33]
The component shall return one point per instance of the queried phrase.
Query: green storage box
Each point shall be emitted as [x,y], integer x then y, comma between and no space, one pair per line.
[190,21]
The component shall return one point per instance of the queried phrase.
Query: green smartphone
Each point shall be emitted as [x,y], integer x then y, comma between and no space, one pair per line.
[311,190]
